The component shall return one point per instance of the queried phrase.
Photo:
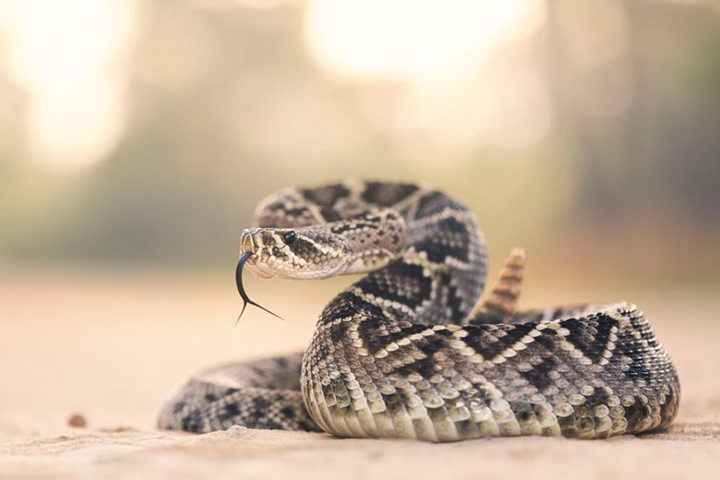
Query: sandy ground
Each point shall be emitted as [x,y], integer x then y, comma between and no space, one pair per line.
[113,346]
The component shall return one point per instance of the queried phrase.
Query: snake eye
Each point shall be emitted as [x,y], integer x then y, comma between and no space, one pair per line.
[289,237]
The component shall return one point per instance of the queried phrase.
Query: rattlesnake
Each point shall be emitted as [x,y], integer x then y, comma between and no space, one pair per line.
[403,353]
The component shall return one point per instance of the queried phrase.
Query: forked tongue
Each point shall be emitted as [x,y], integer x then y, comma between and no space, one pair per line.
[241,289]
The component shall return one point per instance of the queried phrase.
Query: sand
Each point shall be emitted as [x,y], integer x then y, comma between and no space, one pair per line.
[112,347]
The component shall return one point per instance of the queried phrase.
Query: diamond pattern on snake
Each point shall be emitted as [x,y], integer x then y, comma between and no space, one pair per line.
[409,352]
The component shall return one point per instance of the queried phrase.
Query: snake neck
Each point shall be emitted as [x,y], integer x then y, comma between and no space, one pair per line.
[373,239]
[436,279]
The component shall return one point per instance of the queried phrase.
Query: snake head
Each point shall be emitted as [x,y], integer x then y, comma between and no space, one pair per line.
[300,253]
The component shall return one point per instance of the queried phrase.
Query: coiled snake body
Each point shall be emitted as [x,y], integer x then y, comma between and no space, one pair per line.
[403,353]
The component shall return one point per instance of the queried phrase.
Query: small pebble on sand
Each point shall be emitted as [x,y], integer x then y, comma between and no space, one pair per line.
[77,420]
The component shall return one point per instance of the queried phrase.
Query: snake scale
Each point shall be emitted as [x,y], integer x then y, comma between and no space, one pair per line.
[406,353]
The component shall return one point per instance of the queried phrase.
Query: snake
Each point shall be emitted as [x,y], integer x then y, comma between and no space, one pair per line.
[411,350]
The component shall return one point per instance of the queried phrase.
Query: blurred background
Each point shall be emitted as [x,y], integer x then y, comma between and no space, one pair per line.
[136,137]
[144,133]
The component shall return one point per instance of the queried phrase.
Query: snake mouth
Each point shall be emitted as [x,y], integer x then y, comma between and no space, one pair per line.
[241,288]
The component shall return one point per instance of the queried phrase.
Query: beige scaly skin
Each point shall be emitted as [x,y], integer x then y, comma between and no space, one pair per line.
[402,353]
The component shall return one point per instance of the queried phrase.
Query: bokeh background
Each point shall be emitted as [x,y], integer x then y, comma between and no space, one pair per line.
[144,132]
[136,137]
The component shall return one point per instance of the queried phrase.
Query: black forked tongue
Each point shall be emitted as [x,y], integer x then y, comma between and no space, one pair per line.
[241,290]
